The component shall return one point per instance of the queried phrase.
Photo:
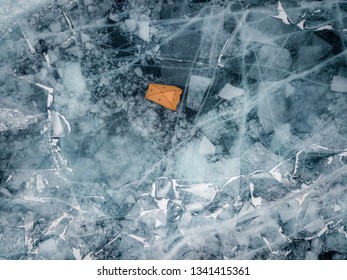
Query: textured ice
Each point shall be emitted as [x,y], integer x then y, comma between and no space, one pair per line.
[73,79]
[252,165]
[12,243]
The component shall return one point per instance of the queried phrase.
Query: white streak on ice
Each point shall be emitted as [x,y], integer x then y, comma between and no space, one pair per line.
[318,147]
[34,198]
[326,27]
[9,178]
[297,159]
[47,60]
[302,198]
[321,232]
[268,245]
[330,159]
[55,223]
[69,22]
[32,49]
[231,38]
[140,239]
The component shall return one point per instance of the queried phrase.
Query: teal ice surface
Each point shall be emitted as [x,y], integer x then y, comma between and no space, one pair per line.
[252,165]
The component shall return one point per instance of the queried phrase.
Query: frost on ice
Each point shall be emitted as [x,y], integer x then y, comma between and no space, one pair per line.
[252,165]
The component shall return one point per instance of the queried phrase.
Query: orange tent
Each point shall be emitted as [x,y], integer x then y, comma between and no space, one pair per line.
[167,96]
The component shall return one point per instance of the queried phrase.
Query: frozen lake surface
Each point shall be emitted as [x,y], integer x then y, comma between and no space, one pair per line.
[251,165]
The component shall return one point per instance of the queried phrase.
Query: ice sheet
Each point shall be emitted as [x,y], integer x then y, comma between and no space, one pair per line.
[251,165]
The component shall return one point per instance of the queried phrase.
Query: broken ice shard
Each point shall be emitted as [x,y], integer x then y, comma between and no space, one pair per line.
[198,86]
[229,92]
[130,25]
[60,126]
[206,147]
[339,84]
[144,31]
